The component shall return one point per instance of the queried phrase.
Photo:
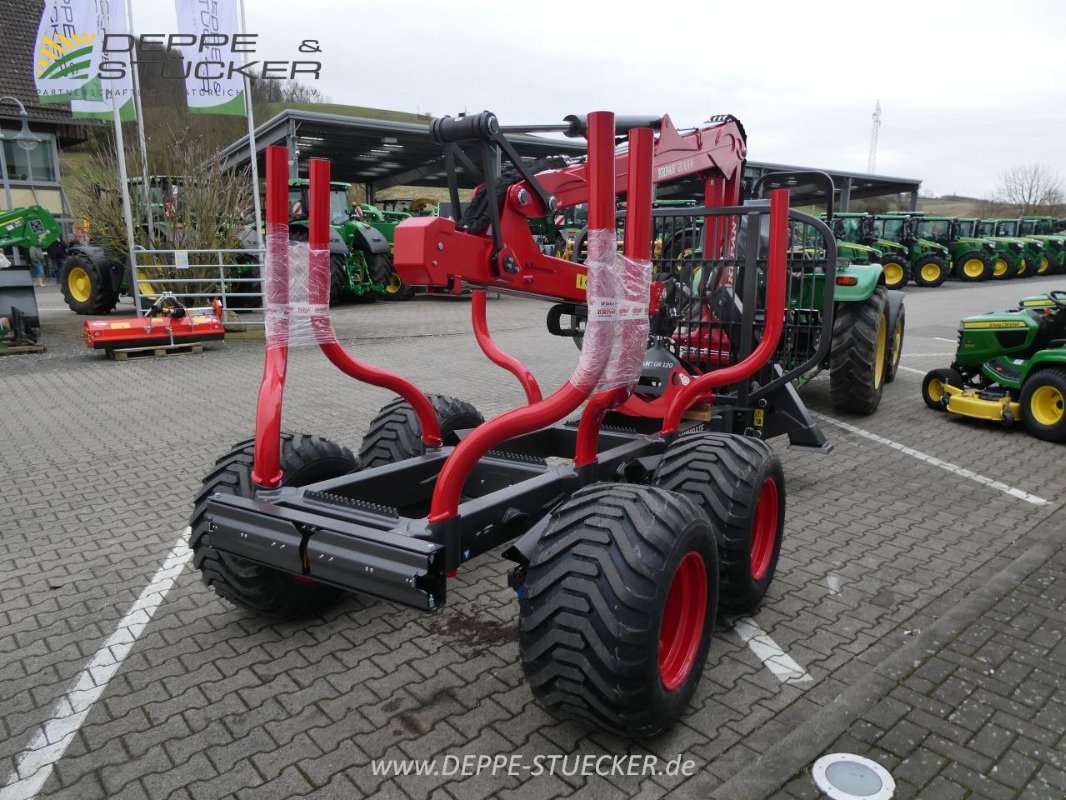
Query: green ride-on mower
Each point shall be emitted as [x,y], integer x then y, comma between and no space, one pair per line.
[972,258]
[857,228]
[930,261]
[1010,366]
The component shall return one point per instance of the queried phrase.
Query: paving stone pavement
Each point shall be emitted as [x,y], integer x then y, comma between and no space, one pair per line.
[100,462]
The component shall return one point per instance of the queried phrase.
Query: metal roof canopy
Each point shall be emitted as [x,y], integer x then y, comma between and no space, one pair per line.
[381,154]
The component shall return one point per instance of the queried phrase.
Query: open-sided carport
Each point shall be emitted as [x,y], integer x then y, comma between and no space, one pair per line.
[380,154]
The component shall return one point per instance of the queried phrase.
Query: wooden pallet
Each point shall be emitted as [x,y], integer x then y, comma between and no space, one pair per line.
[126,353]
[19,349]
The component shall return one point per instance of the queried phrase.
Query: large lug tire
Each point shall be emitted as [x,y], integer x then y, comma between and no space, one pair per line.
[379,268]
[973,266]
[859,355]
[933,387]
[269,592]
[1043,402]
[338,280]
[930,270]
[395,433]
[396,289]
[739,484]
[897,272]
[85,289]
[895,345]
[619,605]
[1025,268]
[1043,265]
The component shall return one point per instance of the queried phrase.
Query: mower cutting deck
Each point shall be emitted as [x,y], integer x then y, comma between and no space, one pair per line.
[626,540]
[167,322]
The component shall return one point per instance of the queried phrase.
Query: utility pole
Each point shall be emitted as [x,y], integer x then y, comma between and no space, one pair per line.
[871,160]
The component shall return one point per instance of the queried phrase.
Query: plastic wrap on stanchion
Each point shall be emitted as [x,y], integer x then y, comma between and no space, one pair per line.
[297,309]
[616,334]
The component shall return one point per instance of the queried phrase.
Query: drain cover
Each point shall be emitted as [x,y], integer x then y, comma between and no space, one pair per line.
[844,776]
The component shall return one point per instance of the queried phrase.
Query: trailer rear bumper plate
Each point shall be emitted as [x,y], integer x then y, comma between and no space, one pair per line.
[355,557]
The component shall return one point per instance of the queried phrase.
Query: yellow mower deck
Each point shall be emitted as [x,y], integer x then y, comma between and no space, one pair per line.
[967,403]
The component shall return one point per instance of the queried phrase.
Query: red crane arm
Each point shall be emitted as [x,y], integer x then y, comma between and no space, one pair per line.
[430,251]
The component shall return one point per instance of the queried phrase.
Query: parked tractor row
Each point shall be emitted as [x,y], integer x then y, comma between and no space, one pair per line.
[919,248]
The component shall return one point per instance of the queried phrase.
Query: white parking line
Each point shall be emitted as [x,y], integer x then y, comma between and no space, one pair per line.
[36,761]
[926,355]
[770,652]
[949,341]
[912,369]
[936,462]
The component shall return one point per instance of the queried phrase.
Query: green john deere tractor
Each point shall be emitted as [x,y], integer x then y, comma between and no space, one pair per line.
[1030,251]
[1044,229]
[1007,253]
[1053,258]
[858,228]
[1009,365]
[385,222]
[972,259]
[359,263]
[930,261]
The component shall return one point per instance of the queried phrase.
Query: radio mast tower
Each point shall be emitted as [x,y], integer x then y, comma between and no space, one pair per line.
[871,161]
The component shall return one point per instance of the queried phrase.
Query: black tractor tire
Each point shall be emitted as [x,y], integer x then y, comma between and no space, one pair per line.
[1025,268]
[973,266]
[1043,265]
[1042,400]
[930,270]
[395,433]
[1004,266]
[739,484]
[269,592]
[85,289]
[895,345]
[379,267]
[932,386]
[897,271]
[858,358]
[338,280]
[396,290]
[621,573]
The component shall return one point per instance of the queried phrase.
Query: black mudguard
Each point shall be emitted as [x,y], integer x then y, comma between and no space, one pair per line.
[111,271]
[369,240]
[895,303]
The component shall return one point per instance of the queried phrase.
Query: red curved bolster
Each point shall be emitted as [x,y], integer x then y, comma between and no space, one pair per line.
[427,417]
[267,454]
[588,431]
[495,354]
[775,315]
[485,437]
[266,458]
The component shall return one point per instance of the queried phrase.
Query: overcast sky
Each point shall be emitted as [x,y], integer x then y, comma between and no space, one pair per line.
[967,89]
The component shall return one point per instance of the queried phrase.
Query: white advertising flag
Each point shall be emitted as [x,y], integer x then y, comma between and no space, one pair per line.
[211,84]
[66,52]
[112,82]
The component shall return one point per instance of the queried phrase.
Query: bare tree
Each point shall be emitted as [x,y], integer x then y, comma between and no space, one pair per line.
[1029,188]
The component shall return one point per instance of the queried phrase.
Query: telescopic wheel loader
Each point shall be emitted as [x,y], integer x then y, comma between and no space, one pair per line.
[678,517]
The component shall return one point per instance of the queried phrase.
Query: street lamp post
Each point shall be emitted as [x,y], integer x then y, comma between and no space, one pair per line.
[25,138]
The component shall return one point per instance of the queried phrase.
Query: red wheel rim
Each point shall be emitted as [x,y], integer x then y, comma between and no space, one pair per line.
[681,628]
[764,530]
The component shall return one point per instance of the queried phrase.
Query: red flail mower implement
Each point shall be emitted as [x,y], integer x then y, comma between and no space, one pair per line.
[629,537]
